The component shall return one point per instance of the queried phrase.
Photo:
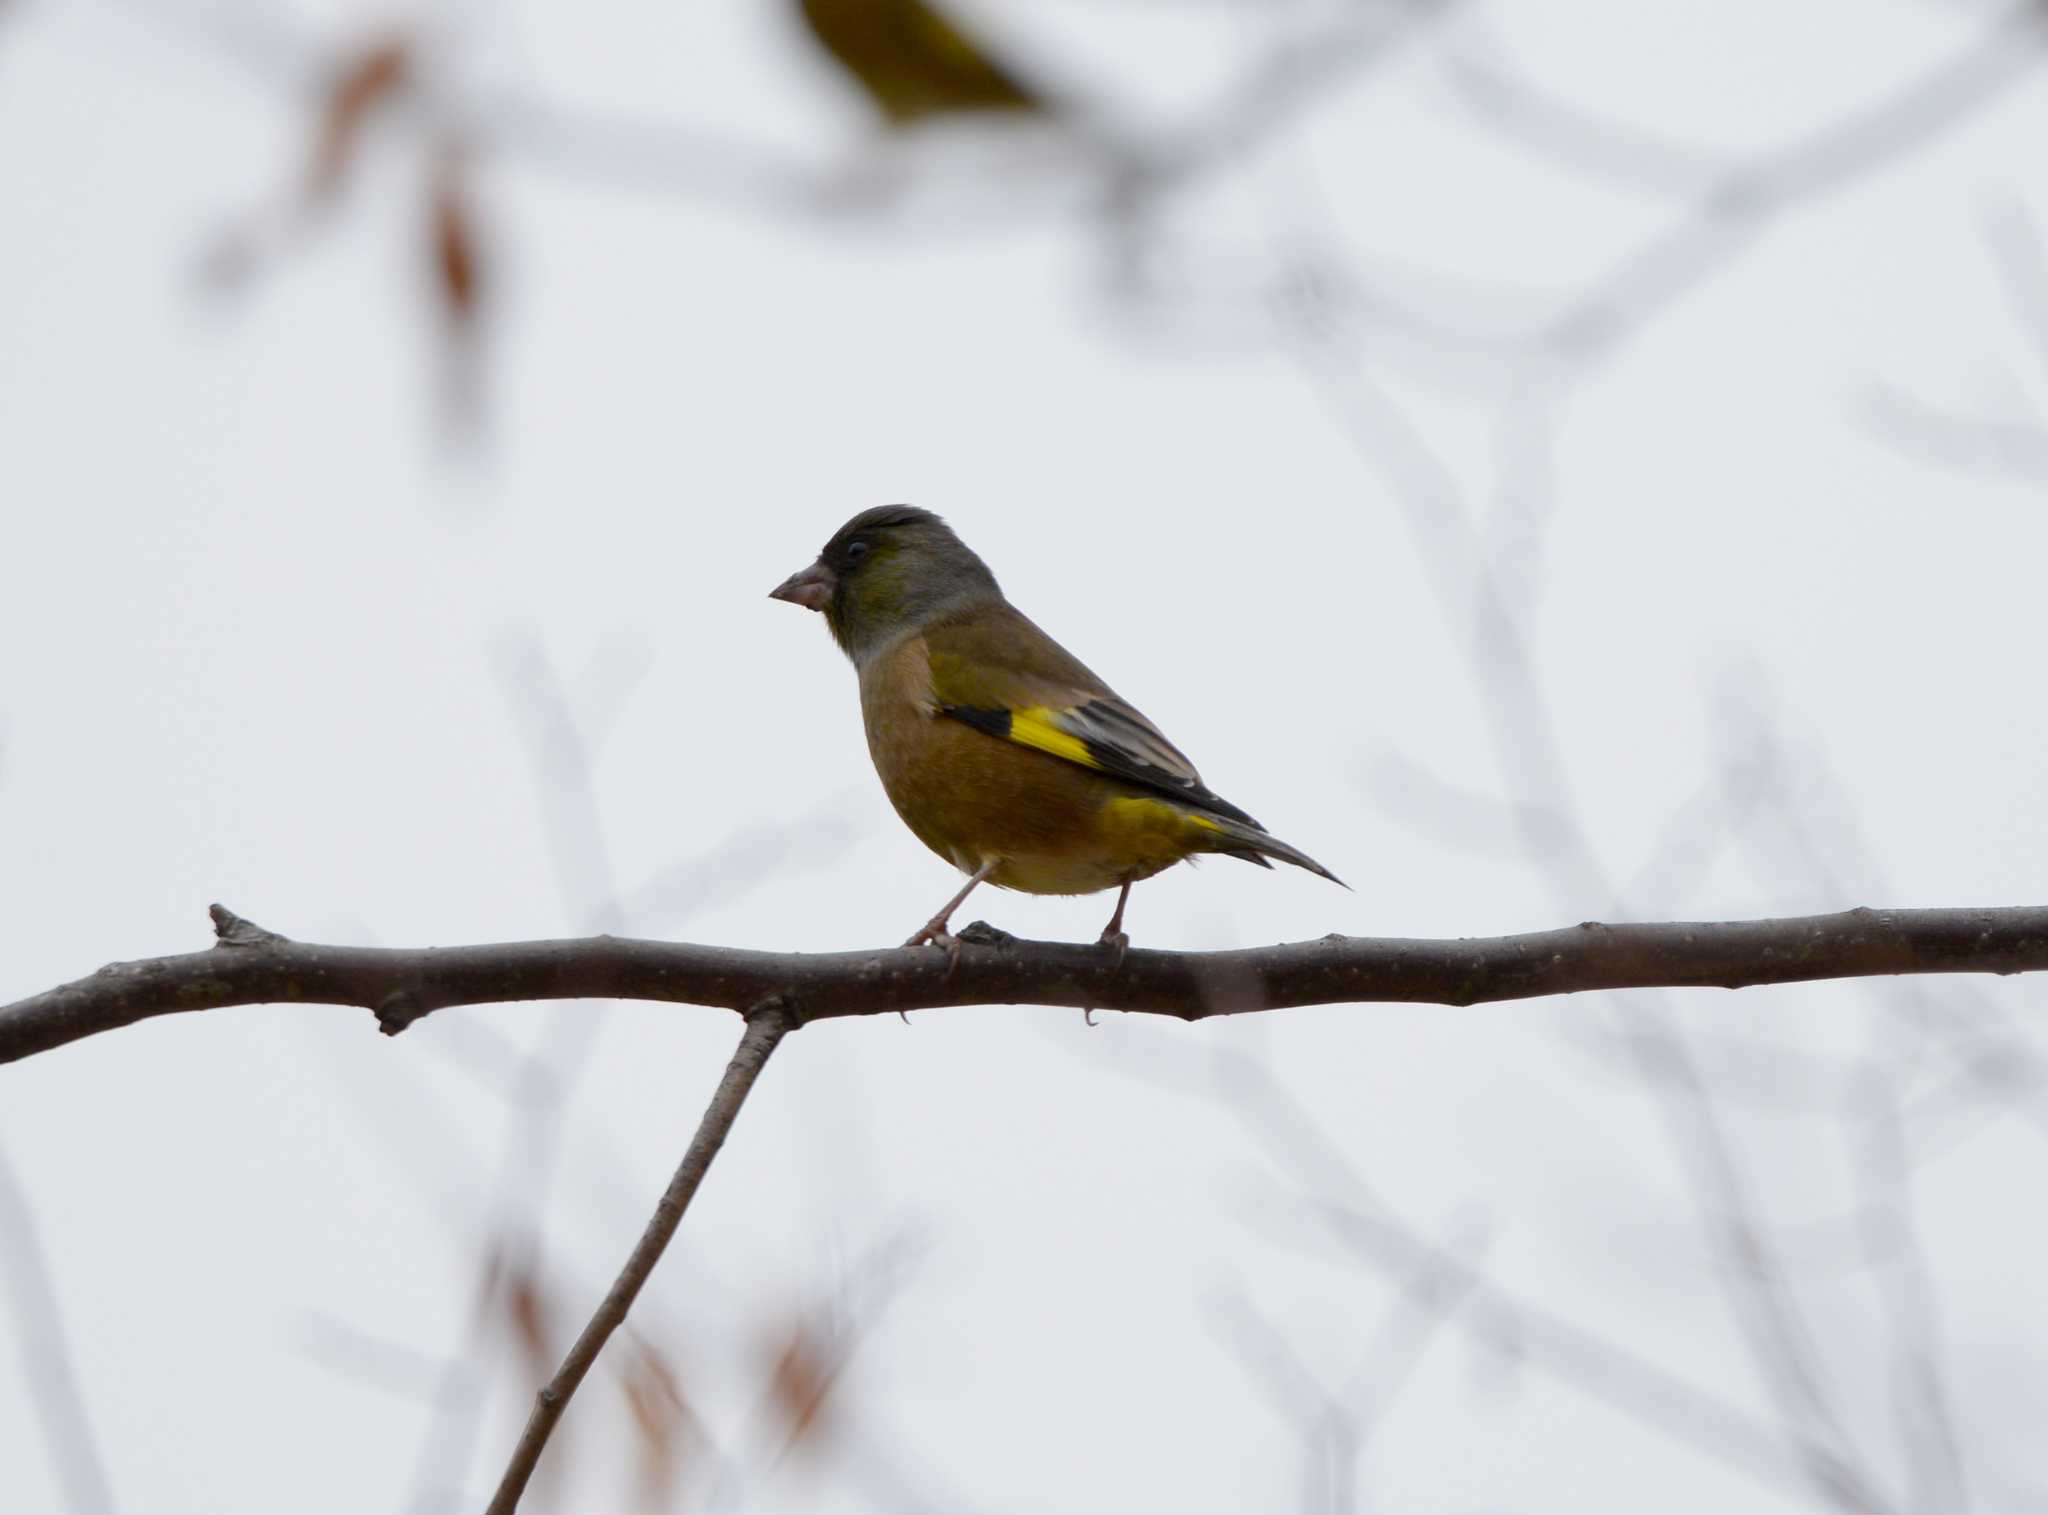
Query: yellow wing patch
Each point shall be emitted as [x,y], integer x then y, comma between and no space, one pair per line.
[1038,727]
[1107,736]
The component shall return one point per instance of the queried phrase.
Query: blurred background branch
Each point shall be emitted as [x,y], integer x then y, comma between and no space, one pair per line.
[48,1359]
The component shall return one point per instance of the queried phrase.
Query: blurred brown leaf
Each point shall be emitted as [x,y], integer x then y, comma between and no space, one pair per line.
[363,79]
[804,1375]
[456,265]
[913,61]
[666,1428]
[366,79]
[529,1315]
[453,234]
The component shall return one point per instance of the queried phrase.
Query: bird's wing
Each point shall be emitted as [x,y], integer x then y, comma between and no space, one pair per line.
[997,672]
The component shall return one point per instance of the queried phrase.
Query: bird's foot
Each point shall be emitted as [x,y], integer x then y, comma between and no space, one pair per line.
[1118,942]
[934,933]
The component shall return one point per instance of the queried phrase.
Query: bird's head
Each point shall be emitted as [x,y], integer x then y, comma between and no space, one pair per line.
[887,572]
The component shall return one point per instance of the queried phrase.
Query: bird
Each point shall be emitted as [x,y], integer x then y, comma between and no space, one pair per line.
[914,62]
[1000,750]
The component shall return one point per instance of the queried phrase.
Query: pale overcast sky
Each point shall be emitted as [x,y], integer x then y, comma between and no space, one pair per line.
[269,637]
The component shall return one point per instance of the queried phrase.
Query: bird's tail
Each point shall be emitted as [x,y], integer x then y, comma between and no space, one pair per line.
[1255,846]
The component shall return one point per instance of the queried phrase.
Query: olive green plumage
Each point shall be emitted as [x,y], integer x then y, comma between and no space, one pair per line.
[1000,749]
[914,61]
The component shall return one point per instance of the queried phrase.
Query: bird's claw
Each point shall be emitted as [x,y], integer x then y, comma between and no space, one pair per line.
[936,934]
[1121,942]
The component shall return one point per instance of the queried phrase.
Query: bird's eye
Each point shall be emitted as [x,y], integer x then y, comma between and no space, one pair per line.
[856,550]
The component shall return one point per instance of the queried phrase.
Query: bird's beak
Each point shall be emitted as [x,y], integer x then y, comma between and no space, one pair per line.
[811,589]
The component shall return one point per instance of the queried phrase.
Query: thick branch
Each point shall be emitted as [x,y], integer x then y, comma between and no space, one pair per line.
[766,1027]
[251,966]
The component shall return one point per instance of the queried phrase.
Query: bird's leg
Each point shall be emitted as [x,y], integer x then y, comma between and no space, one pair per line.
[934,930]
[1113,933]
[1113,936]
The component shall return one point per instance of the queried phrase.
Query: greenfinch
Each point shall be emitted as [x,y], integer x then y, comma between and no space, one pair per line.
[999,749]
[914,61]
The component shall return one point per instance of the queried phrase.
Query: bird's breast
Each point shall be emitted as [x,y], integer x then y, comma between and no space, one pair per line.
[1051,826]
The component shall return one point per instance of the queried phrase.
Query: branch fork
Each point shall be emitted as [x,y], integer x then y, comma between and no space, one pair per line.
[775,993]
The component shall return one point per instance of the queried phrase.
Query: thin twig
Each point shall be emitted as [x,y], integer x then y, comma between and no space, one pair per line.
[767,1024]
